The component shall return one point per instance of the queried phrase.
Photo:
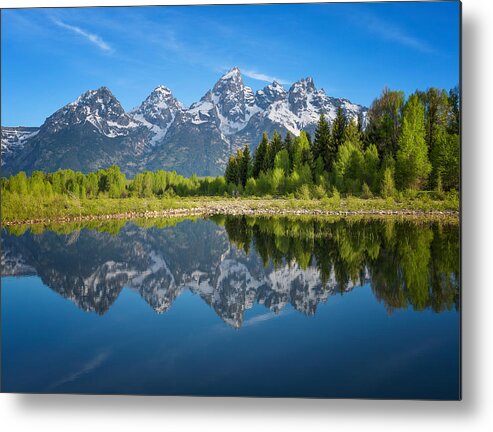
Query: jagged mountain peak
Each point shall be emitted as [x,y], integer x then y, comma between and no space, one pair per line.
[162,93]
[160,98]
[306,102]
[233,74]
[303,85]
[101,102]
[231,81]
[162,89]
[104,90]
[157,112]
[100,95]
[98,108]
[275,88]
[269,94]
[229,105]
[276,84]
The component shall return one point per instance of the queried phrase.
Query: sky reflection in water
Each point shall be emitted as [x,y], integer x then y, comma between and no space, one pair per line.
[233,306]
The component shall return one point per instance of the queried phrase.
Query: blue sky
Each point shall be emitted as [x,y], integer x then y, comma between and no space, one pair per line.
[51,56]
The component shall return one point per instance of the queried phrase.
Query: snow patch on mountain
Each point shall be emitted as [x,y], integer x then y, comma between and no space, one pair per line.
[158,112]
[14,138]
[100,109]
[280,114]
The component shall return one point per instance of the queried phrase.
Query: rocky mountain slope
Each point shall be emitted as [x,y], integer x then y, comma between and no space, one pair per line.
[95,132]
[13,140]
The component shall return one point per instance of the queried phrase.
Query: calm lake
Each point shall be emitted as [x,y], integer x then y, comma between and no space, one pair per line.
[307,307]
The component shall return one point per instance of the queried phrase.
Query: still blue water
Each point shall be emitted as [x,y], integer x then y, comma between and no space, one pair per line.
[205,308]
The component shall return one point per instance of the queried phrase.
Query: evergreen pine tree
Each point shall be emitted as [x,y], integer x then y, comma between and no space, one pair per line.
[288,141]
[245,166]
[322,144]
[289,147]
[276,146]
[259,157]
[231,173]
[352,134]
[338,128]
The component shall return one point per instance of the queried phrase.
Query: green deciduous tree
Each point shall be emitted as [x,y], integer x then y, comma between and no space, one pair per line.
[384,121]
[274,147]
[453,122]
[282,161]
[92,185]
[349,168]
[388,185]
[288,146]
[436,106]
[412,163]
[18,183]
[301,151]
[447,161]
[371,167]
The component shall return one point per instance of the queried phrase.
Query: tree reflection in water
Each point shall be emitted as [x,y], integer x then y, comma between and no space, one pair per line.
[233,263]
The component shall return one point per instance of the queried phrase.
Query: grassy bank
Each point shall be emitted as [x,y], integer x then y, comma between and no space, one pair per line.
[31,209]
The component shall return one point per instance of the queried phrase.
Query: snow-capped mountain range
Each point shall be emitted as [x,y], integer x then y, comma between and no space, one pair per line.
[95,131]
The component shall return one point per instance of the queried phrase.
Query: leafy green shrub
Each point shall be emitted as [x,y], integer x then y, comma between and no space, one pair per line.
[335,198]
[303,192]
[318,191]
[388,185]
[251,187]
[366,192]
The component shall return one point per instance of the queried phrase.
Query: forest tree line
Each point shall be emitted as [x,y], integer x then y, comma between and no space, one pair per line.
[408,144]
[408,263]
[111,183]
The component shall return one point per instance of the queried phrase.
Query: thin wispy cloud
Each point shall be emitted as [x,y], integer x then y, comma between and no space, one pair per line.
[262,77]
[91,37]
[393,33]
[263,317]
[85,369]
[170,38]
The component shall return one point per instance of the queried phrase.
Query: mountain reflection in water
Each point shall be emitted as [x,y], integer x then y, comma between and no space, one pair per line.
[233,263]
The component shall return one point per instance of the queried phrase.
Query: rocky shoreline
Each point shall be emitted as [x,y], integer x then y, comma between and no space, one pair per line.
[238,210]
